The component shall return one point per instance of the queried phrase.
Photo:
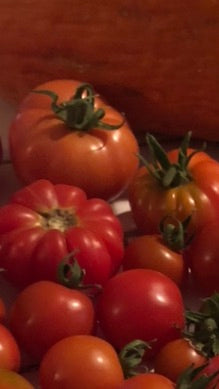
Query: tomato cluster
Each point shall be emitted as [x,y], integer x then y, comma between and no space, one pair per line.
[93,309]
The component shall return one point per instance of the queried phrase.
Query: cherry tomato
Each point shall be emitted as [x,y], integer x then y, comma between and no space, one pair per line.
[140,304]
[44,222]
[147,381]
[177,356]
[48,312]
[151,252]
[179,185]
[70,144]
[10,357]
[203,257]
[12,380]
[82,362]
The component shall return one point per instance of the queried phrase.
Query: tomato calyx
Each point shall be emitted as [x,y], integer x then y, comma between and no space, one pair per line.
[166,173]
[202,327]
[131,357]
[79,112]
[192,378]
[174,232]
[59,219]
[71,275]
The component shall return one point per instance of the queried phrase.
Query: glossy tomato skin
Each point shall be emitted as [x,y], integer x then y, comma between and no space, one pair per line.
[10,357]
[146,381]
[101,162]
[151,252]
[87,362]
[175,357]
[12,380]
[44,222]
[49,312]
[150,203]
[140,304]
[203,258]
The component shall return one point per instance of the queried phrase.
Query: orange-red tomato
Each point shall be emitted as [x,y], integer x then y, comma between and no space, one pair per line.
[12,380]
[197,196]
[151,252]
[175,357]
[82,362]
[101,162]
[9,351]
[147,381]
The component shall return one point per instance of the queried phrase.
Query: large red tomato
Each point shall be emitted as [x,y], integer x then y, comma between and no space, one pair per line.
[47,312]
[175,184]
[82,362]
[140,304]
[11,380]
[68,141]
[147,381]
[43,222]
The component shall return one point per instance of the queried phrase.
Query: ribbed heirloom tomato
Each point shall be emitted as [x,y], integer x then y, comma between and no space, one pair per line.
[179,183]
[44,222]
[69,135]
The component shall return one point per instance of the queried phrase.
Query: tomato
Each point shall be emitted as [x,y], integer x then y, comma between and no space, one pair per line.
[203,257]
[178,185]
[44,222]
[82,362]
[9,350]
[146,381]
[47,305]
[177,356]
[75,150]
[140,304]
[12,380]
[2,311]
[151,252]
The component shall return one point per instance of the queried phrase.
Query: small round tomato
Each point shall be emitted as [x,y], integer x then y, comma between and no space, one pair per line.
[9,351]
[69,135]
[82,362]
[203,258]
[176,184]
[141,304]
[47,305]
[42,223]
[147,381]
[151,252]
[11,380]
[175,357]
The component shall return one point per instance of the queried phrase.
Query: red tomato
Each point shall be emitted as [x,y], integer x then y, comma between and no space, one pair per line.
[46,305]
[140,304]
[177,356]
[151,252]
[147,381]
[9,351]
[82,362]
[11,380]
[75,151]
[43,222]
[193,191]
[203,257]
